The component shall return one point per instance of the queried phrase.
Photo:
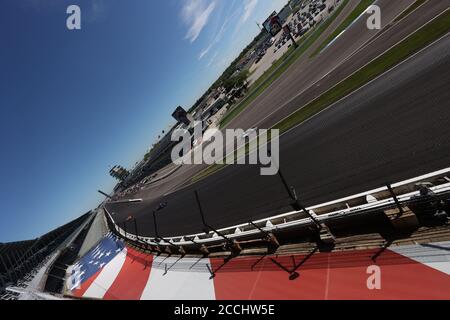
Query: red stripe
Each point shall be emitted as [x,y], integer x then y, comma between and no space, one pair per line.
[339,275]
[266,282]
[79,292]
[401,279]
[132,278]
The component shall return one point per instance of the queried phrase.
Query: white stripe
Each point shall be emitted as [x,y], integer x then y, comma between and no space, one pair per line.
[69,279]
[440,266]
[433,255]
[179,279]
[106,277]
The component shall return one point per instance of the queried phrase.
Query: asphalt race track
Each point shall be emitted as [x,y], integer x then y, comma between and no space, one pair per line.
[308,78]
[395,128]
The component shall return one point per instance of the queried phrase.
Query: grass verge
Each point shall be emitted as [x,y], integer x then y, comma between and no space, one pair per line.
[280,66]
[412,44]
[418,40]
[411,8]
[360,8]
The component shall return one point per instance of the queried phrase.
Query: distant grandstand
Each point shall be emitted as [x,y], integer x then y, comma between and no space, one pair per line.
[21,261]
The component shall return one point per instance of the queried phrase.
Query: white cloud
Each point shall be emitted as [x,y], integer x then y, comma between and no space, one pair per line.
[204,52]
[196,14]
[249,7]
[217,38]
[247,11]
[212,59]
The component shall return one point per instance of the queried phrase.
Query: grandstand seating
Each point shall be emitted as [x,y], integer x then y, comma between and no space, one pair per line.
[19,261]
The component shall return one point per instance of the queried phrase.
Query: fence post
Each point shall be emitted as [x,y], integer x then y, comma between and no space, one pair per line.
[201,247]
[296,205]
[136,229]
[158,238]
[397,202]
[233,245]
[125,228]
[325,235]
[270,237]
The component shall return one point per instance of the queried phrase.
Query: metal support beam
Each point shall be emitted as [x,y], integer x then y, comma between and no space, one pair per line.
[201,247]
[324,232]
[397,202]
[136,229]
[147,245]
[269,236]
[233,245]
[257,262]
[158,238]
[293,274]
[125,228]
[296,205]
[213,272]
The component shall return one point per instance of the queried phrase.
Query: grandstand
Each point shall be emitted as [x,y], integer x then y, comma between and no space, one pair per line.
[20,262]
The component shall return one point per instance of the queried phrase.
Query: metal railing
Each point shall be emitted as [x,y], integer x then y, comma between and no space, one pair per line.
[392,196]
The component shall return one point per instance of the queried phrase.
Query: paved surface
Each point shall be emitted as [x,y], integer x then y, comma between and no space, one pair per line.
[257,70]
[96,233]
[282,97]
[395,128]
[305,72]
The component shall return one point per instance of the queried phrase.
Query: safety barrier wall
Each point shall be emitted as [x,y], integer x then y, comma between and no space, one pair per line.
[402,193]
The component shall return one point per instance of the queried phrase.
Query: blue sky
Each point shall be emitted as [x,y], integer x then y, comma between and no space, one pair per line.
[75,103]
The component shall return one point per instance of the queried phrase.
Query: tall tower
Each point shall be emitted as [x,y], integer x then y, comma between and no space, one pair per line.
[119,173]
